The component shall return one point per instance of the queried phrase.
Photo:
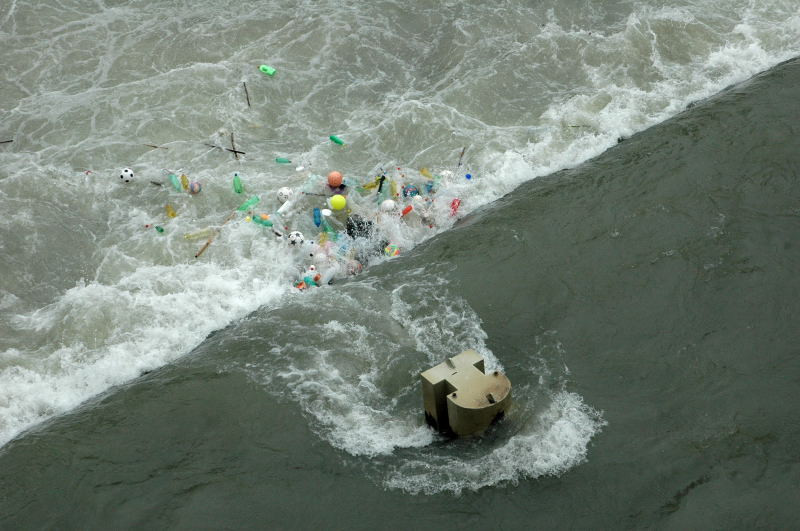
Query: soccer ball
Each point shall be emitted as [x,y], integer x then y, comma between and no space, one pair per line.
[126,175]
[284,194]
[296,238]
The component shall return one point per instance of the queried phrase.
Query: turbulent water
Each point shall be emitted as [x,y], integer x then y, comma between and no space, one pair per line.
[164,377]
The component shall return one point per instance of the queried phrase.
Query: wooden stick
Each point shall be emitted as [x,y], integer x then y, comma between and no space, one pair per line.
[6,141]
[211,239]
[155,146]
[246,94]
[461,157]
[235,153]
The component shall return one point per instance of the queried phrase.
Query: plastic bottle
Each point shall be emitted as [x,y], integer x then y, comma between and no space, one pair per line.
[286,207]
[250,202]
[262,220]
[202,233]
[175,182]
[406,210]
[268,70]
[283,160]
[336,140]
[432,185]
[317,217]
[170,211]
[184,181]
[454,204]
[237,183]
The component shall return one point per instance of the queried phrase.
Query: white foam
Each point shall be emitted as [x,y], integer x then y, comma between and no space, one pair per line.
[550,443]
[145,302]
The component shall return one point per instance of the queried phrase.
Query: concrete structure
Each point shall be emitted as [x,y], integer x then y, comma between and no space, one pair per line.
[460,398]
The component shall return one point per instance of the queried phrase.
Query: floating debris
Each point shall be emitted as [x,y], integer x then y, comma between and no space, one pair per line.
[247,94]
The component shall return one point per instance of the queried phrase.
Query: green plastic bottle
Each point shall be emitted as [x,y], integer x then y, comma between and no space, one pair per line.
[283,160]
[237,184]
[250,202]
[336,140]
[176,183]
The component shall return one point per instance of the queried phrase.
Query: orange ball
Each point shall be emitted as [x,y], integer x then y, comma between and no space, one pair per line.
[334,179]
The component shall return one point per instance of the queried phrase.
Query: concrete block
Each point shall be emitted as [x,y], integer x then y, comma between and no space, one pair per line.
[460,398]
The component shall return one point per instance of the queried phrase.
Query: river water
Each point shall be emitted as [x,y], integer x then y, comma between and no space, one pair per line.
[625,250]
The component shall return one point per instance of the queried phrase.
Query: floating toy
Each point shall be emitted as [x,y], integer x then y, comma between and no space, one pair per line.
[170,211]
[335,179]
[468,176]
[391,250]
[237,184]
[295,238]
[268,70]
[175,182]
[338,202]
[284,194]
[194,187]
[283,160]
[410,190]
[336,140]
[126,175]
[454,204]
[184,181]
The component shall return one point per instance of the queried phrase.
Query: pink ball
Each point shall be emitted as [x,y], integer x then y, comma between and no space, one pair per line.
[194,187]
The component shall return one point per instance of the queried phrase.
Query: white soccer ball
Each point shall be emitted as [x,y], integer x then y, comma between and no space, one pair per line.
[126,175]
[296,238]
[284,194]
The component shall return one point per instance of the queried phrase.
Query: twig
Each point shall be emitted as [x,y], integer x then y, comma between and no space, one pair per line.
[211,239]
[155,146]
[226,149]
[247,94]
[235,153]
[6,141]
[461,157]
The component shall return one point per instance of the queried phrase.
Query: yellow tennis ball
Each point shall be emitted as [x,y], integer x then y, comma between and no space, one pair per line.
[338,202]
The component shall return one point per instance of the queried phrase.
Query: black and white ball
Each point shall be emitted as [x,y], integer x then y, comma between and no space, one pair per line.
[296,238]
[284,194]
[126,175]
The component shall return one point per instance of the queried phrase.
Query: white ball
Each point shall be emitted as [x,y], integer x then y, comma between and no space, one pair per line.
[296,238]
[388,205]
[126,175]
[284,194]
